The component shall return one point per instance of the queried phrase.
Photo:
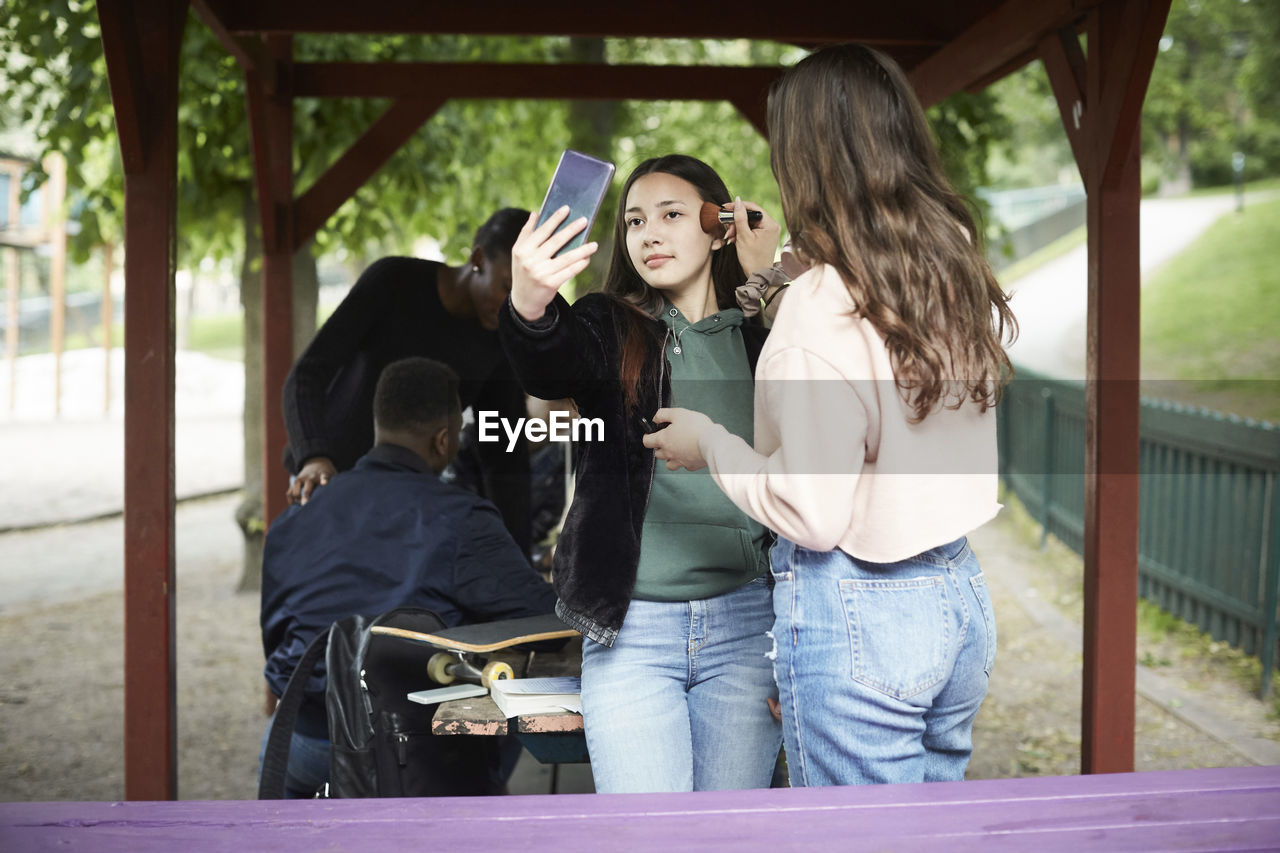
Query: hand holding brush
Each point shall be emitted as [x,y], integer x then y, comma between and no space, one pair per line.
[713,217]
[744,223]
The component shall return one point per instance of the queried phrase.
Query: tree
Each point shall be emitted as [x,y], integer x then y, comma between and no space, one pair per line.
[1213,91]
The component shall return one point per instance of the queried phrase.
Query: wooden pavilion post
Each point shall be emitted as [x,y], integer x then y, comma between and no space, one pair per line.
[55,231]
[107,311]
[1100,98]
[141,42]
[270,98]
[12,270]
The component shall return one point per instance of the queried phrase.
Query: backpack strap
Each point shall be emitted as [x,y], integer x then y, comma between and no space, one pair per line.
[275,758]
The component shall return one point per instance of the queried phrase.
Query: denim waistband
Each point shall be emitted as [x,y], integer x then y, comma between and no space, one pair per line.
[948,555]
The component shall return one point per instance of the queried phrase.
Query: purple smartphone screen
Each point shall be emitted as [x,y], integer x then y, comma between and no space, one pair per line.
[580,181]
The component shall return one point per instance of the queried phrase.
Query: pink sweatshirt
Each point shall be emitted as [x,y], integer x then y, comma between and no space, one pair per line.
[836,463]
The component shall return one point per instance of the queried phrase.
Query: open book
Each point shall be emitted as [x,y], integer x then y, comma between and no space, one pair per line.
[516,696]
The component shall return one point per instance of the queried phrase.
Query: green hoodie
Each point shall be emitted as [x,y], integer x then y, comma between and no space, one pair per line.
[695,542]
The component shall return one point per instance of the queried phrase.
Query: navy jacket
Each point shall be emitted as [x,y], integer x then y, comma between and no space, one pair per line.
[388,533]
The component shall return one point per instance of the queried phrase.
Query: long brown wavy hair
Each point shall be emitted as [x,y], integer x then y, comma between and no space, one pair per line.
[624,284]
[863,190]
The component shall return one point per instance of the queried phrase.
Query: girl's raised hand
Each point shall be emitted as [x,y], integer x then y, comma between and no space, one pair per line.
[536,275]
[756,246]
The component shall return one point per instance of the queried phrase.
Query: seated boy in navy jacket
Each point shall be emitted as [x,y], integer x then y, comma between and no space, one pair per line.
[385,534]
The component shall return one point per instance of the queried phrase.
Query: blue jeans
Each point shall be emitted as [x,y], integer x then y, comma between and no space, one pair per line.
[881,667]
[678,702]
[308,768]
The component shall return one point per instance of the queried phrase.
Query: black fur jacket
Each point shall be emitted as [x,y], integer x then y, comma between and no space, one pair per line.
[576,352]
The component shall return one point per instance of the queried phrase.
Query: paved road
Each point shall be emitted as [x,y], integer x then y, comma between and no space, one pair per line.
[1051,302]
[68,563]
[72,467]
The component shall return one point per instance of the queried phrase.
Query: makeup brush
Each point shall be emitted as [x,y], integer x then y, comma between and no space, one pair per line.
[712,217]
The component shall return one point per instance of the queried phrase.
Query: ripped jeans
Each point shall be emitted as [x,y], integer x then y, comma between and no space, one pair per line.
[881,667]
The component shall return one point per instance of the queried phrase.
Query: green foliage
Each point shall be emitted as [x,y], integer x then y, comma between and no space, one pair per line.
[1213,91]
[967,126]
[469,159]
[1033,150]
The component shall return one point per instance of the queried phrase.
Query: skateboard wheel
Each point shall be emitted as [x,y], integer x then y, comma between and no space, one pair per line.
[440,669]
[496,671]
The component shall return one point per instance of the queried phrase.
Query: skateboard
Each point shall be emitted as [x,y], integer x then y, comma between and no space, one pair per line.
[459,647]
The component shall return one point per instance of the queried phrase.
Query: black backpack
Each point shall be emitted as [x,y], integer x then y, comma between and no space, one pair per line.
[381,743]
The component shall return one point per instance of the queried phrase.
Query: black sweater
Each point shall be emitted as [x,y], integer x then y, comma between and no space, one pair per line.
[392,312]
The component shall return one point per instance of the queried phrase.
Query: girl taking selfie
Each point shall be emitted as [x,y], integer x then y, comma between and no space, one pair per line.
[667,580]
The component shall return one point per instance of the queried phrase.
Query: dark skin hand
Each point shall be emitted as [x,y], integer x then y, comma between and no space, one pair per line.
[315,473]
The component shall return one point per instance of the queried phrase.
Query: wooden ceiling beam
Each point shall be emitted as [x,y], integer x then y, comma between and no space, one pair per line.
[998,40]
[1066,66]
[1130,59]
[124,76]
[525,80]
[366,156]
[247,52]
[1001,72]
[910,22]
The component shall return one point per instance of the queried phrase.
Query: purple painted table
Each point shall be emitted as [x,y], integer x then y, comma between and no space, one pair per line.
[1222,809]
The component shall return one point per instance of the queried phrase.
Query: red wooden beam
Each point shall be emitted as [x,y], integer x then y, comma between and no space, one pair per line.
[909,22]
[1130,59]
[1122,37]
[271,133]
[247,52]
[1066,67]
[400,121]
[141,41]
[124,76]
[526,80]
[1000,73]
[999,39]
[754,110]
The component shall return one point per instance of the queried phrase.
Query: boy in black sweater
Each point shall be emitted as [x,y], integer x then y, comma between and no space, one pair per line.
[402,307]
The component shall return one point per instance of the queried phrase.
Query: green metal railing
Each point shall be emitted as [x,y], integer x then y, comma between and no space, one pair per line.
[1209,514]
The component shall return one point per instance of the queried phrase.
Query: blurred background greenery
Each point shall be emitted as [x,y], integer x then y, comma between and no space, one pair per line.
[1214,92]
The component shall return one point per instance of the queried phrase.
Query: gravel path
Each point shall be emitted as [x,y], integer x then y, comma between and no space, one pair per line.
[61,678]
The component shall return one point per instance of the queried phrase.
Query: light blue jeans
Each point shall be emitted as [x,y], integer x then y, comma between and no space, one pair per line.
[678,703]
[881,667]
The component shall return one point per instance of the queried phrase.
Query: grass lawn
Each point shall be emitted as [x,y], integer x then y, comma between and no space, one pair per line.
[217,335]
[1211,317]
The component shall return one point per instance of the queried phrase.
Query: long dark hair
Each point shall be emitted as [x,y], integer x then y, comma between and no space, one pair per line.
[643,302]
[863,190]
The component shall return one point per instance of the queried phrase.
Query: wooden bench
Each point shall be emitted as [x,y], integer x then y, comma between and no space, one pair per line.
[550,738]
[1230,808]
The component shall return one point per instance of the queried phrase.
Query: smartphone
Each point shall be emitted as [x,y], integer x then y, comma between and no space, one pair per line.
[649,426]
[580,181]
